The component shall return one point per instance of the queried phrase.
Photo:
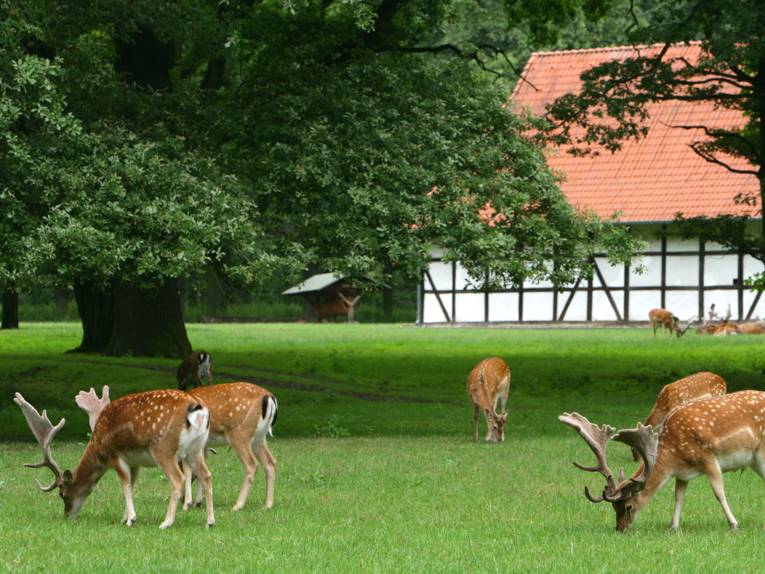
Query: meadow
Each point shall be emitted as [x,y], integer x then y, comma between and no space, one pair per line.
[376,469]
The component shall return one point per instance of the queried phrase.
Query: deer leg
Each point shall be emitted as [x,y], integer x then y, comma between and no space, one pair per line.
[123,471]
[240,442]
[265,458]
[204,476]
[653,324]
[716,482]
[175,476]
[489,417]
[475,422]
[187,478]
[680,486]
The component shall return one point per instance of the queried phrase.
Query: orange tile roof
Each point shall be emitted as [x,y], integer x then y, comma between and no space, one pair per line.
[649,180]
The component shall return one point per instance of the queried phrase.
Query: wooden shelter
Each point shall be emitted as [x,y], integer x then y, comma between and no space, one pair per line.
[326,295]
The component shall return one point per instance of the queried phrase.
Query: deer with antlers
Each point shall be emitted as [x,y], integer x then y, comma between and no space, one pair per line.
[154,428]
[705,437]
[241,416]
[488,385]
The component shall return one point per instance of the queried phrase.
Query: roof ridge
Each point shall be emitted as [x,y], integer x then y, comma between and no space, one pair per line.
[611,48]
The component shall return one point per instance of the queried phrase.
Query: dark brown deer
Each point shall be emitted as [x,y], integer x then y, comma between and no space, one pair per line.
[704,437]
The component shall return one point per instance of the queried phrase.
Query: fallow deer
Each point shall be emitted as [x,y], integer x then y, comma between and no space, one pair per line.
[696,386]
[154,428]
[665,319]
[241,415]
[704,437]
[197,365]
[751,328]
[488,385]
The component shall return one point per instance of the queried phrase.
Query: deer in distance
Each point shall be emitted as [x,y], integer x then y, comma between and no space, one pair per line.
[664,318]
[153,428]
[241,415]
[488,385]
[704,437]
[197,365]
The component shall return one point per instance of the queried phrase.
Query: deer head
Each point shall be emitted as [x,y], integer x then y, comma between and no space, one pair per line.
[497,427]
[45,432]
[620,492]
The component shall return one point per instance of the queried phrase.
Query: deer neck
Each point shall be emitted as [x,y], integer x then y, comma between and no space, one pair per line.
[87,474]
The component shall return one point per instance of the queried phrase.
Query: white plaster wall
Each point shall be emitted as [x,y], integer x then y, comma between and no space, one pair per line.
[577,311]
[462,280]
[651,274]
[537,306]
[682,270]
[614,275]
[441,273]
[469,307]
[503,307]
[601,307]
[759,310]
[432,312]
[683,304]
[643,301]
[677,244]
[720,269]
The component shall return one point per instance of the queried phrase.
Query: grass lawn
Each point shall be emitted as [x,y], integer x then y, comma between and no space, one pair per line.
[376,471]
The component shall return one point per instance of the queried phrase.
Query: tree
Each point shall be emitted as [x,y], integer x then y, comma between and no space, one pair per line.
[254,137]
[35,128]
[730,74]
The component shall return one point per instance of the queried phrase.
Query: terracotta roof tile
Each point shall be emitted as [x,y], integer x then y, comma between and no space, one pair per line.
[649,180]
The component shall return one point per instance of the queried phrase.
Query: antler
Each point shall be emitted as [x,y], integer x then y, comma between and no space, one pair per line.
[597,438]
[645,442]
[44,432]
[91,404]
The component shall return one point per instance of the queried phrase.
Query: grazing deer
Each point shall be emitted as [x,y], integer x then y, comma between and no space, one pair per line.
[154,428]
[696,386]
[666,319]
[241,415]
[704,437]
[197,365]
[487,387]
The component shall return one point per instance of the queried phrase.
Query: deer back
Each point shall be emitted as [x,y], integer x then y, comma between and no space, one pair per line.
[234,405]
[752,328]
[142,420]
[725,427]
[696,386]
[487,379]
[660,316]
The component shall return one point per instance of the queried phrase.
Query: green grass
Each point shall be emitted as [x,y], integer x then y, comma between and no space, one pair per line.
[376,470]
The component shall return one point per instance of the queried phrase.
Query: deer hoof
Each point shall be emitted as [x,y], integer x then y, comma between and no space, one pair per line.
[165,525]
[130,521]
[734,526]
[211,524]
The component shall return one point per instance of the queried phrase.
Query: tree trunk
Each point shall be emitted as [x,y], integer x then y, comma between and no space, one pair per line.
[96,309]
[10,318]
[149,322]
[214,295]
[387,303]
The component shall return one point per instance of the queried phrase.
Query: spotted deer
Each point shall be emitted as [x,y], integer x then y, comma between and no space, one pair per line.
[488,385]
[241,415]
[696,386]
[705,437]
[665,319]
[154,428]
[751,328]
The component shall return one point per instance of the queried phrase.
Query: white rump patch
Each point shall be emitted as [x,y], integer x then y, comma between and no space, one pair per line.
[194,437]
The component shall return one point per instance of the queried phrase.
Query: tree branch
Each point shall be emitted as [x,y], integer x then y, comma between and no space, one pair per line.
[716,133]
[712,159]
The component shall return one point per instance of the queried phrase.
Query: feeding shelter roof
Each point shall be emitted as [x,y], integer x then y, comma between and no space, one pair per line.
[314,284]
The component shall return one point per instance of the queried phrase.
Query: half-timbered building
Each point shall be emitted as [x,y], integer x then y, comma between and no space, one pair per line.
[645,185]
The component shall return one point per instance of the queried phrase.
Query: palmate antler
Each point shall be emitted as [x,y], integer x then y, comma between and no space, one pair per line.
[646,442]
[91,404]
[44,432]
[596,438]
